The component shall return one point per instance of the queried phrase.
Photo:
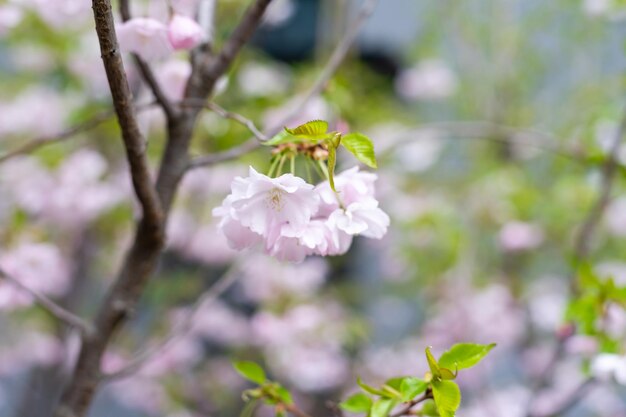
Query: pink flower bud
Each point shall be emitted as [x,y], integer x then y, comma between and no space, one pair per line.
[184,32]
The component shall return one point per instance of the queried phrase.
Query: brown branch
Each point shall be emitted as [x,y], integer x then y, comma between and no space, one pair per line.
[406,410]
[293,409]
[144,254]
[142,257]
[52,307]
[337,57]
[178,331]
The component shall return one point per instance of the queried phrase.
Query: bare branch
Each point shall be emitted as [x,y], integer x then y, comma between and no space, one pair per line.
[179,330]
[582,241]
[51,307]
[337,57]
[42,141]
[609,171]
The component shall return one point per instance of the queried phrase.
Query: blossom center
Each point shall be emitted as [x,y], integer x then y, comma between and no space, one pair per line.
[275,199]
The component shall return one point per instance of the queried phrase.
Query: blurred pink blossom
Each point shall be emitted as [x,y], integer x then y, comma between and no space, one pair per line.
[146,37]
[39,266]
[173,77]
[184,32]
[431,79]
[519,236]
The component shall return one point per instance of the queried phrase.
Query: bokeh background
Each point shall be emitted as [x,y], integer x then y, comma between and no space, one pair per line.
[491,120]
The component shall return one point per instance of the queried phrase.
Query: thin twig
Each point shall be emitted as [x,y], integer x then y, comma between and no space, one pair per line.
[582,240]
[406,410]
[93,122]
[179,330]
[572,400]
[337,57]
[51,307]
[219,110]
[42,141]
[293,409]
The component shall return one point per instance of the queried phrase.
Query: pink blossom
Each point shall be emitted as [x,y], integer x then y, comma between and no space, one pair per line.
[361,218]
[10,17]
[259,206]
[352,185]
[146,37]
[608,366]
[519,236]
[38,266]
[184,32]
[173,77]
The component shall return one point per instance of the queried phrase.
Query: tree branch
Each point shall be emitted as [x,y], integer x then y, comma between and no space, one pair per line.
[339,54]
[581,243]
[406,410]
[178,331]
[144,253]
[51,307]
[42,141]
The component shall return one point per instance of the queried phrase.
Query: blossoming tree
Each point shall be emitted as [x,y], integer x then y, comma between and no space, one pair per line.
[165,276]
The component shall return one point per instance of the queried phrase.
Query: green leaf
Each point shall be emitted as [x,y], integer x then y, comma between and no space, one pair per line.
[447,374]
[464,355]
[382,408]
[251,371]
[315,129]
[447,397]
[284,395]
[361,147]
[368,388]
[411,387]
[358,403]
[429,409]
[432,363]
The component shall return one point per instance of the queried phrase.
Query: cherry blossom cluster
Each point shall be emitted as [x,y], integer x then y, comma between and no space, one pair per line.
[292,219]
[152,39]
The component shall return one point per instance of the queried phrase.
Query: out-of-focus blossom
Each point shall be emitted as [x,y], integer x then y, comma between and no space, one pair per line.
[145,37]
[180,354]
[431,79]
[546,303]
[184,32]
[173,77]
[615,217]
[519,236]
[38,266]
[265,279]
[221,324]
[421,152]
[259,80]
[511,401]
[139,393]
[581,345]
[279,12]
[10,17]
[597,7]
[185,7]
[608,366]
[605,133]
[64,14]
[41,104]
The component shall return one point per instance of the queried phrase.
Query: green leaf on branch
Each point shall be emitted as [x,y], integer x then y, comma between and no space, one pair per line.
[282,137]
[432,364]
[412,387]
[429,409]
[358,403]
[251,371]
[447,397]
[464,355]
[361,147]
[313,130]
[284,395]
[382,408]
